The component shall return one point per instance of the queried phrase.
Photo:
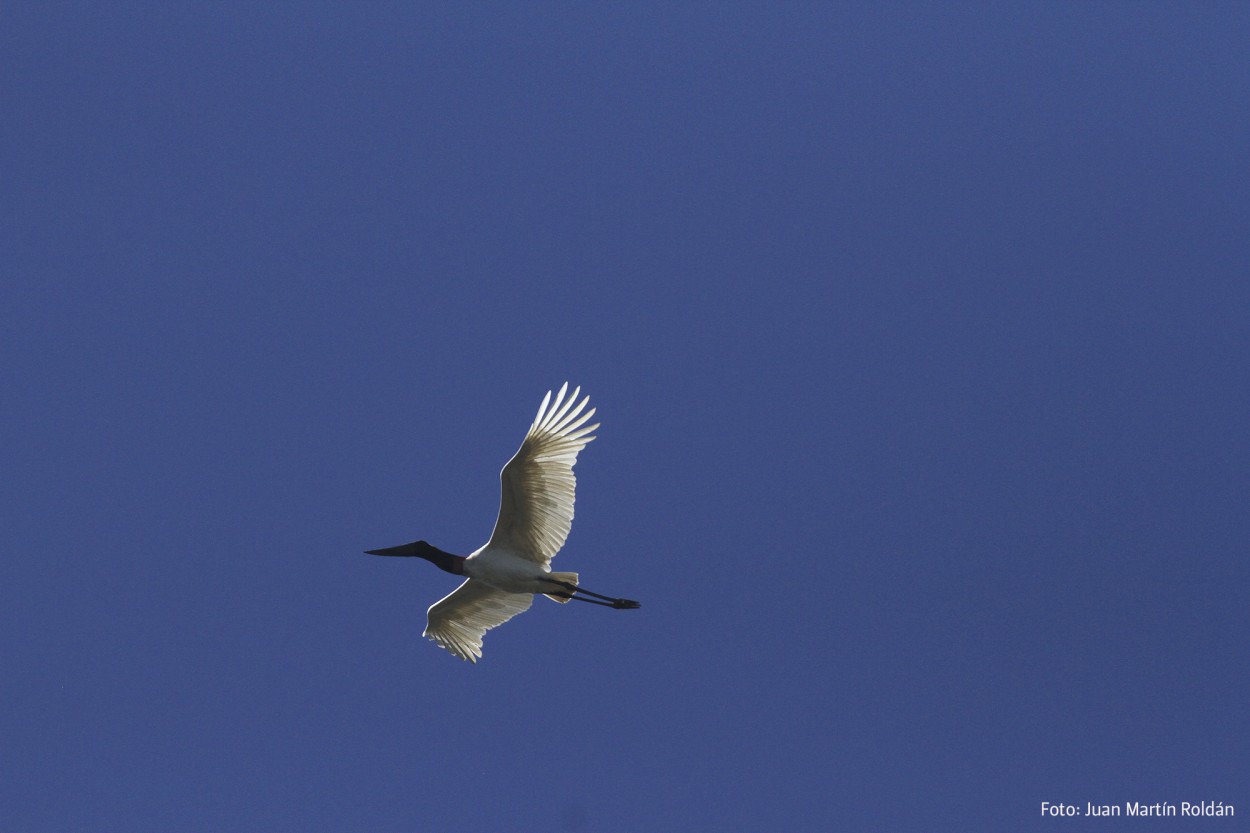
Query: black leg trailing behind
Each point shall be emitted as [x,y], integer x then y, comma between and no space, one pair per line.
[608,601]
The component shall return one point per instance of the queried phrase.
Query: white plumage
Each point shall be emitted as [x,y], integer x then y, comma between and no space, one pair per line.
[535,515]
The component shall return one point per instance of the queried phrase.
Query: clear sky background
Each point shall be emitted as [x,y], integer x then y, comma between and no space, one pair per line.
[919,333]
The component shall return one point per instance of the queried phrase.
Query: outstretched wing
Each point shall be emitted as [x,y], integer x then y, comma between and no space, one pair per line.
[536,509]
[459,620]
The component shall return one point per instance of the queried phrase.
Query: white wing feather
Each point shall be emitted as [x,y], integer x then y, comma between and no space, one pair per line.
[459,620]
[536,507]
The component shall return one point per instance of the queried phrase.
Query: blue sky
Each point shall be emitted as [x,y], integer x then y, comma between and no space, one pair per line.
[920,338]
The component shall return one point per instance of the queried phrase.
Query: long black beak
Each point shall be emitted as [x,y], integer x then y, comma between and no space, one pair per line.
[402,549]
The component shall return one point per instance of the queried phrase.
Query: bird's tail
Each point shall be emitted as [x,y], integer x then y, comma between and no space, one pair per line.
[568,578]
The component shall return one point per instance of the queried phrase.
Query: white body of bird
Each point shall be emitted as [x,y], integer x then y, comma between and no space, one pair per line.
[512,572]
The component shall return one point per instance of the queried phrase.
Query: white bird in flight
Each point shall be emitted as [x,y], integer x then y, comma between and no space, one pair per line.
[535,515]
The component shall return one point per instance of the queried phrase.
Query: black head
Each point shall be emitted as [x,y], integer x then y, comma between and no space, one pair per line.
[420,549]
[415,548]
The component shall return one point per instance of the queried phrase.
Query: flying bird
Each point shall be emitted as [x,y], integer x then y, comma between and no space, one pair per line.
[535,515]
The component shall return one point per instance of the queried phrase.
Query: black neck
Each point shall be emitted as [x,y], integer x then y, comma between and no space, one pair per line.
[442,560]
[419,549]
